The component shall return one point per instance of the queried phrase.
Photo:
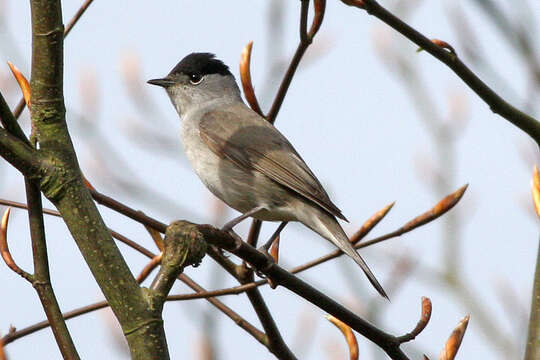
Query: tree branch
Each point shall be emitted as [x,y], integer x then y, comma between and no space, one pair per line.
[279,276]
[182,247]
[9,122]
[306,38]
[532,351]
[41,278]
[498,105]
[275,341]
[62,183]
[14,146]
[142,218]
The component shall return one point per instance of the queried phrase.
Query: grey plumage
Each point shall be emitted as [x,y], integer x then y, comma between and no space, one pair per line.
[243,159]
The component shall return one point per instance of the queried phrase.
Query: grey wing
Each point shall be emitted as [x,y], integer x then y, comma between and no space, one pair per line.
[252,143]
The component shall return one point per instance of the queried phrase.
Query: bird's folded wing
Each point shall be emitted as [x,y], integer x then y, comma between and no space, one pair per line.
[250,142]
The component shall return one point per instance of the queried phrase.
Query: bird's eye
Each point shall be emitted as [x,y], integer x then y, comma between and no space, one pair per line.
[195,79]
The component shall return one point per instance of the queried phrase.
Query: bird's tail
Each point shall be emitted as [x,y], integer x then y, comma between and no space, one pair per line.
[328,227]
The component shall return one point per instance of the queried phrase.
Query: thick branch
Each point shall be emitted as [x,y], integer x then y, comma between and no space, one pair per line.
[19,154]
[182,247]
[63,185]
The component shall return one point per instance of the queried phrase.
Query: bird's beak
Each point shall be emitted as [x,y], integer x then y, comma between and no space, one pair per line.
[165,82]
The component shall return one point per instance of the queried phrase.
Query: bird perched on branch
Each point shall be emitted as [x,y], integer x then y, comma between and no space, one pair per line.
[243,159]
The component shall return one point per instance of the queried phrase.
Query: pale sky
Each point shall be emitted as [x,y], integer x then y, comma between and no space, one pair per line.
[348,113]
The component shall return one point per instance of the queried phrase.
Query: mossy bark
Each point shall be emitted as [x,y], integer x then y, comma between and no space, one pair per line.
[60,180]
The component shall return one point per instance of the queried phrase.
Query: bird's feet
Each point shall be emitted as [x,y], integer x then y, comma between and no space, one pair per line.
[264,250]
[270,262]
[228,226]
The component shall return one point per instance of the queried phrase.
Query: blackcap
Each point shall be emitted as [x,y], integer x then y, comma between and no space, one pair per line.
[243,159]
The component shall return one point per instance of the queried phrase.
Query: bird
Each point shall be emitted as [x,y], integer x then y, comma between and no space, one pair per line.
[243,159]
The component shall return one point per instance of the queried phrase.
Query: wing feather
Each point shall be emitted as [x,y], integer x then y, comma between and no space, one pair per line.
[252,143]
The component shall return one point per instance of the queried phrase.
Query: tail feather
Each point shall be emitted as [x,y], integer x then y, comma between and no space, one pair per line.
[330,229]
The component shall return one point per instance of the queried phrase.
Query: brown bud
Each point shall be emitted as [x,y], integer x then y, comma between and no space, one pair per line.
[535,187]
[23,83]
[245,77]
[348,334]
[371,223]
[439,209]
[454,341]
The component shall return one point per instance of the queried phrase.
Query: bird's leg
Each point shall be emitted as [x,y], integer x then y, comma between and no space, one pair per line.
[228,226]
[274,236]
[264,250]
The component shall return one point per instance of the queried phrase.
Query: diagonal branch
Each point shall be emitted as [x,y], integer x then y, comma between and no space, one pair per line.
[276,343]
[279,276]
[306,39]
[497,104]
[156,225]
[42,280]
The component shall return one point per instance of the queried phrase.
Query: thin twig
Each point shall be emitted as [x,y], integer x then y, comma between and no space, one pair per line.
[425,315]
[293,66]
[4,249]
[133,214]
[146,220]
[17,334]
[275,341]
[147,270]
[447,203]
[42,279]
[76,17]
[306,39]
[240,321]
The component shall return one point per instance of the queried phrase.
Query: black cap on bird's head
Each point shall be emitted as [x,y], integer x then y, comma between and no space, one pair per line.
[200,64]
[194,65]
